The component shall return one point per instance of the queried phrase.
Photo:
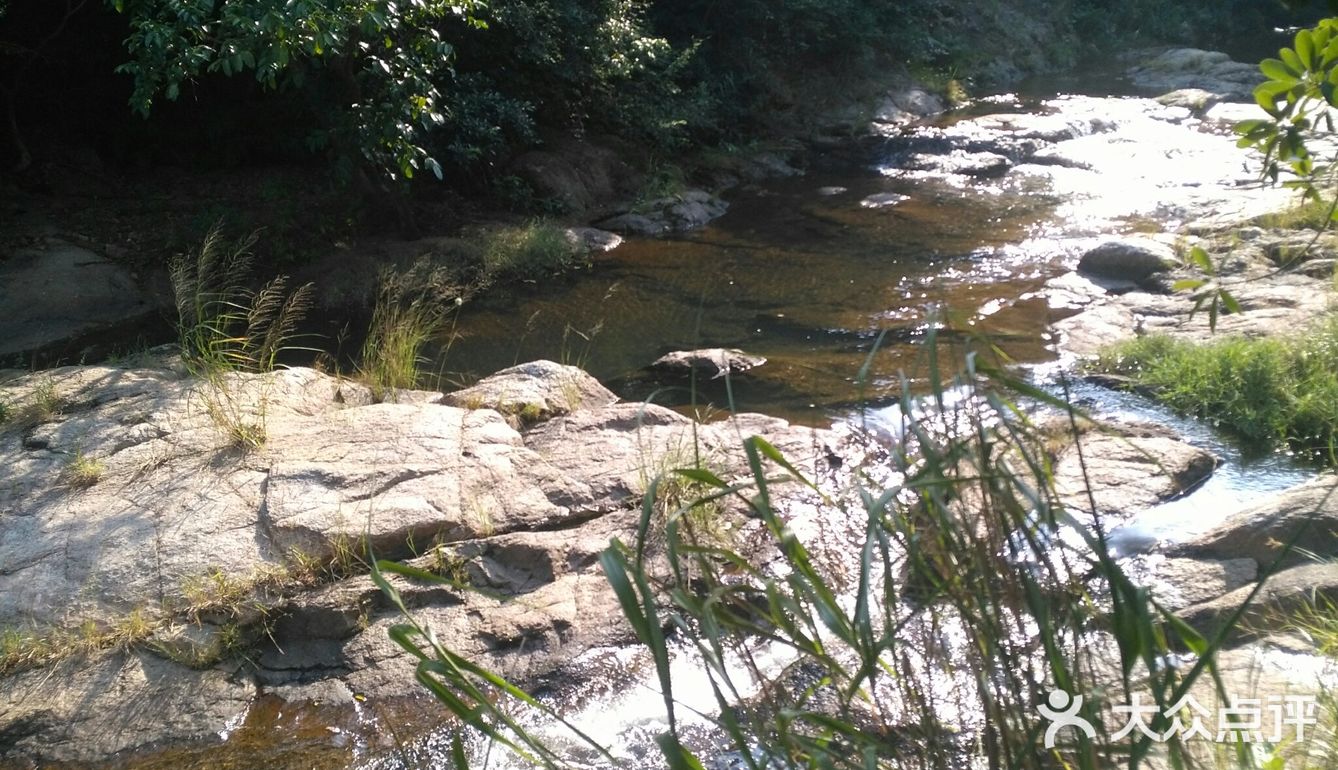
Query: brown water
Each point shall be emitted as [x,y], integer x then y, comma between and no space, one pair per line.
[806,279]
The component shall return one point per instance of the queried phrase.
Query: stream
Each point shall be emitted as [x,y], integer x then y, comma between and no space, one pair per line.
[971,218]
[977,220]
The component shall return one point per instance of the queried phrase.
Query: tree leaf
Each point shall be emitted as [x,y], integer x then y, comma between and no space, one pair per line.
[1200,258]
[1292,61]
[1275,70]
[1305,50]
[1267,99]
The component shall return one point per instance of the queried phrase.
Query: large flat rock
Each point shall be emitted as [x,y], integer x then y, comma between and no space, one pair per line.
[59,290]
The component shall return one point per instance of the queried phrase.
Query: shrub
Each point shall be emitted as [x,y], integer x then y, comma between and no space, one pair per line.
[83,470]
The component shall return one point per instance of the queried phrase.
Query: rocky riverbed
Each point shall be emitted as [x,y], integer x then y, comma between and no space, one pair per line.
[178,554]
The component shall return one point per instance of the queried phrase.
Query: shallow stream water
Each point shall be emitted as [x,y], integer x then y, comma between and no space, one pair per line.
[809,273]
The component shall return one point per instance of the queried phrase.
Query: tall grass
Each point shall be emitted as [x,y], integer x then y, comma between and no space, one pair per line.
[1271,391]
[959,591]
[404,320]
[223,324]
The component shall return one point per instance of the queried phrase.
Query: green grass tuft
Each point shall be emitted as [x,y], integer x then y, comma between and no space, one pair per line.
[527,252]
[403,322]
[1271,392]
[83,470]
[1311,215]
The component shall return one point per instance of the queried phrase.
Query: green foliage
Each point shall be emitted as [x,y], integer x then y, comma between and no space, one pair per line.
[1299,90]
[1207,292]
[1269,391]
[591,65]
[83,470]
[387,55]
[1308,215]
[382,78]
[404,320]
[222,324]
[1120,23]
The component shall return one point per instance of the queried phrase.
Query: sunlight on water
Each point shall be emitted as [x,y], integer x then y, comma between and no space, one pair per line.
[807,272]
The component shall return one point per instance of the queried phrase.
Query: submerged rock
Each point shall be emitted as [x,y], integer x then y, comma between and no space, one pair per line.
[883,200]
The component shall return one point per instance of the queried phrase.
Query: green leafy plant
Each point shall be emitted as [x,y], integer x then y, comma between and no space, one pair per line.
[223,325]
[528,252]
[83,470]
[1207,291]
[1299,91]
[389,56]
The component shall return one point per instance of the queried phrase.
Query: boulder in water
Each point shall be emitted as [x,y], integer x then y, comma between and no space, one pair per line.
[716,362]
[1130,259]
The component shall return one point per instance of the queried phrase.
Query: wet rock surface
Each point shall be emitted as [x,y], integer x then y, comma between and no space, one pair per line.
[1306,516]
[1128,259]
[1275,302]
[1127,468]
[685,211]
